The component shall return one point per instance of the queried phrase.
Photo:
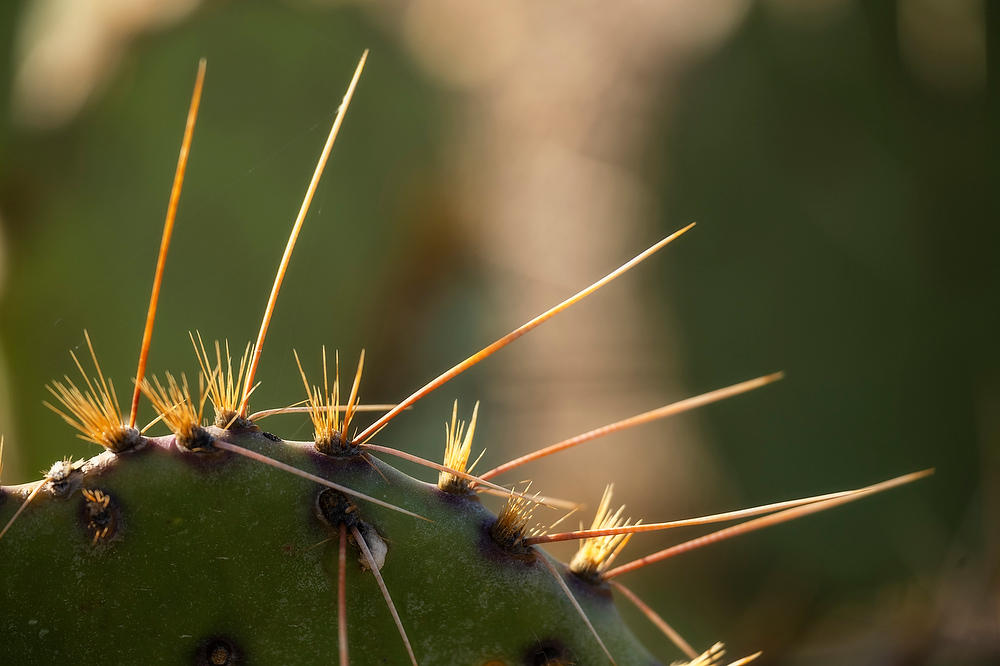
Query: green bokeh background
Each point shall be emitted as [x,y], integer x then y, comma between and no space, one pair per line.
[849,227]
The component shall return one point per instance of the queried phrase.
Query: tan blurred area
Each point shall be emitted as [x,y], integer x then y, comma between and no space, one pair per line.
[67,50]
[556,102]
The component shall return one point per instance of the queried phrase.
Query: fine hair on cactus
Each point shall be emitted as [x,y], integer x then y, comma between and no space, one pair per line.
[220,542]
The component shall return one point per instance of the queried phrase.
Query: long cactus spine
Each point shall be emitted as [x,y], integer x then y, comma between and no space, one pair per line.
[226,544]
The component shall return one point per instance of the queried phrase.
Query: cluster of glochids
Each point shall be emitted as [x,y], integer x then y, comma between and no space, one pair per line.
[93,410]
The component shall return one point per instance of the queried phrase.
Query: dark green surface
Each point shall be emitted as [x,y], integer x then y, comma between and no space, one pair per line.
[231,548]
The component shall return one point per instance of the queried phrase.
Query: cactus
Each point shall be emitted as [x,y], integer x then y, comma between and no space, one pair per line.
[225,544]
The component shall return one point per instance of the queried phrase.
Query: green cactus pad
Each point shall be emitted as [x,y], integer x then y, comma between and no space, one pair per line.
[215,556]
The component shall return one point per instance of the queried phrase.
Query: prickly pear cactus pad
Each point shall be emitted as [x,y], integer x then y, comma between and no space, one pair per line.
[222,543]
[187,551]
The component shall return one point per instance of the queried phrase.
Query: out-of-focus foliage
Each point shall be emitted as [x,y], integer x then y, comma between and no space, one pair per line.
[847,200]
[849,237]
[83,208]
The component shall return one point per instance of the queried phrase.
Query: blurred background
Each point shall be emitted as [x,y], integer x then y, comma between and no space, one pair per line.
[839,156]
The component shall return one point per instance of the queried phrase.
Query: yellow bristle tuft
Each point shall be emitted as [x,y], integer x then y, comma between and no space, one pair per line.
[94,411]
[176,407]
[225,387]
[511,527]
[713,657]
[457,449]
[99,521]
[329,428]
[597,553]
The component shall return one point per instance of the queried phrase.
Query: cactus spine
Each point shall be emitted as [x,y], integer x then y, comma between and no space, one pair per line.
[225,544]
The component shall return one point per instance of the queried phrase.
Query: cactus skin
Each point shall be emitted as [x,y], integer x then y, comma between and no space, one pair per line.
[213,547]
